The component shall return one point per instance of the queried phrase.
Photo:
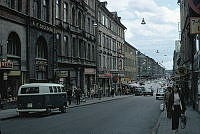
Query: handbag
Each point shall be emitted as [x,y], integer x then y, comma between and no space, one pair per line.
[183,121]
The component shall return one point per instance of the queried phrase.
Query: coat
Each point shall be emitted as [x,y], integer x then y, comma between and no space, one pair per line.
[171,101]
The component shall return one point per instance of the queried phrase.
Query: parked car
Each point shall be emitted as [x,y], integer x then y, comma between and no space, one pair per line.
[148,92]
[139,91]
[160,94]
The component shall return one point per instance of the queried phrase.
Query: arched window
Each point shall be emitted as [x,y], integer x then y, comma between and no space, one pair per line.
[14,45]
[79,19]
[66,45]
[41,48]
[65,12]
[73,16]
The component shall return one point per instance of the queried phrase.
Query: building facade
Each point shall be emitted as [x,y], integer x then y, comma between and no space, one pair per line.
[130,64]
[110,49]
[47,41]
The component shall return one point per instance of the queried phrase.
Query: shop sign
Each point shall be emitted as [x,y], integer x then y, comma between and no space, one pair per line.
[105,75]
[90,71]
[6,65]
[14,73]
[41,65]
[194,25]
[195,4]
[62,73]
[42,26]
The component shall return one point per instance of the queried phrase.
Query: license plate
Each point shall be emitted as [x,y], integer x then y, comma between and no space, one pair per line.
[29,105]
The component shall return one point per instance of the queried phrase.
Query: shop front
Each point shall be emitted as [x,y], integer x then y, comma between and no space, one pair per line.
[104,83]
[90,80]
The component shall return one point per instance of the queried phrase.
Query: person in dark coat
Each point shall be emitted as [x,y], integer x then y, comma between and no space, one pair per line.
[69,96]
[78,95]
[177,107]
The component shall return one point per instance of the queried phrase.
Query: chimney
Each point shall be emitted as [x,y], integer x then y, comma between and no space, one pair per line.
[104,3]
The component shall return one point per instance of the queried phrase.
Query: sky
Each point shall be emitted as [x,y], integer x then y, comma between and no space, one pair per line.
[159,32]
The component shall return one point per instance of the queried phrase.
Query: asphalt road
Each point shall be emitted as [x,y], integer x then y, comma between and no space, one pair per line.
[132,115]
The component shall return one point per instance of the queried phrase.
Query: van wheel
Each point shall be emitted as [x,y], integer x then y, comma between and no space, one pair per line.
[63,109]
[23,114]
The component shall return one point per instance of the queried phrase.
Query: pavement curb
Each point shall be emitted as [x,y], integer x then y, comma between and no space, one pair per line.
[92,103]
[156,127]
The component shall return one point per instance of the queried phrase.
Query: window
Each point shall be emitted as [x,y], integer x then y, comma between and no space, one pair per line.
[58,42]
[19,5]
[100,39]
[73,16]
[100,60]
[45,15]
[30,90]
[41,48]
[80,46]
[66,45]
[14,45]
[89,52]
[93,28]
[63,89]
[59,89]
[36,9]
[79,19]
[104,40]
[114,62]
[51,89]
[89,25]
[197,43]
[13,4]
[104,61]
[58,9]
[65,12]
[55,89]
[74,47]
[93,52]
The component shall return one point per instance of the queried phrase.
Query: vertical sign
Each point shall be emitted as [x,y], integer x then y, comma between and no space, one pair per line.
[194,25]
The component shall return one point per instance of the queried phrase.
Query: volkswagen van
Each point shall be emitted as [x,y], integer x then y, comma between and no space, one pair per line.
[41,97]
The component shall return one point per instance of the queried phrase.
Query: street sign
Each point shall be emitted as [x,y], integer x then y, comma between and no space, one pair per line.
[194,25]
[195,4]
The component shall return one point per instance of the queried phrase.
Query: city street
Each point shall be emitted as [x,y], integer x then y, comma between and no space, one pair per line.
[131,115]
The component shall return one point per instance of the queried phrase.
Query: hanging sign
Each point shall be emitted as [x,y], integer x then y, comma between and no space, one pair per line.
[194,25]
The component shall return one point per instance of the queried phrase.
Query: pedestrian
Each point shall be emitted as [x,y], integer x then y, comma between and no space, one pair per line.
[92,93]
[167,96]
[69,96]
[177,107]
[112,92]
[99,93]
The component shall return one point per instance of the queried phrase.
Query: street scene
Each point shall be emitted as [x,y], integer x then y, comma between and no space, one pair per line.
[99,67]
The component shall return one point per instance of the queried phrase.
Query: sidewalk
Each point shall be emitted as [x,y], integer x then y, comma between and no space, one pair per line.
[11,113]
[192,126]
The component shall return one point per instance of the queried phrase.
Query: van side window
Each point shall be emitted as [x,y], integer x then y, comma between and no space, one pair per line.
[30,90]
[59,89]
[55,89]
[63,89]
[51,89]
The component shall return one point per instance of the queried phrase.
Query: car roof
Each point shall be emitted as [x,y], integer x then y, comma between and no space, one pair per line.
[41,84]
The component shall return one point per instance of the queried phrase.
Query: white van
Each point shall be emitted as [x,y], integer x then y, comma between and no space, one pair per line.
[41,97]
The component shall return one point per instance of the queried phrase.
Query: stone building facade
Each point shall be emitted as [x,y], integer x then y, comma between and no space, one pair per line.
[110,52]
[46,41]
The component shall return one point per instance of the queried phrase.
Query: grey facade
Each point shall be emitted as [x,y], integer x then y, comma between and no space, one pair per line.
[130,63]
[110,51]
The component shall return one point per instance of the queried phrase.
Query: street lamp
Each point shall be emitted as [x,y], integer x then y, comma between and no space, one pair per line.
[143,21]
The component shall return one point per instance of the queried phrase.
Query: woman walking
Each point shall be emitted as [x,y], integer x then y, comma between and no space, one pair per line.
[177,107]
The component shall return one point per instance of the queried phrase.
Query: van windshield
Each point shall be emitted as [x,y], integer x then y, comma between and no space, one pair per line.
[30,90]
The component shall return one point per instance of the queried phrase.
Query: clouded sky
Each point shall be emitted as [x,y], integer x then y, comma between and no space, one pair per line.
[160,31]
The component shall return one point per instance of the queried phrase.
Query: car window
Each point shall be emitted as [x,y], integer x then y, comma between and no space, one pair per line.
[50,89]
[59,89]
[30,90]
[55,89]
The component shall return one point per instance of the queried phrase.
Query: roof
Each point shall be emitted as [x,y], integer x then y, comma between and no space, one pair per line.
[42,84]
